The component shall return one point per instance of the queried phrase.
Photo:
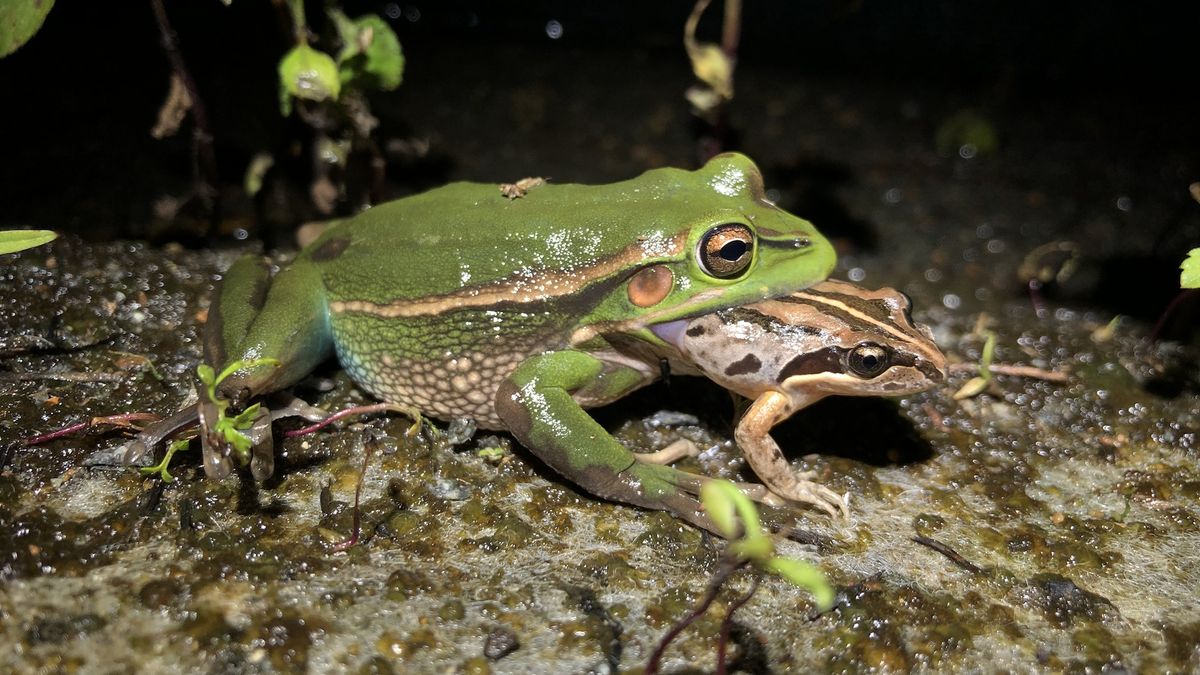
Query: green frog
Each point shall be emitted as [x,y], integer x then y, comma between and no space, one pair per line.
[789,352]
[517,308]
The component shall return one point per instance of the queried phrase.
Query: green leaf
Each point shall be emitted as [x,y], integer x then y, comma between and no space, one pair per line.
[19,21]
[1190,277]
[12,241]
[309,74]
[245,419]
[725,504]
[989,353]
[804,575]
[371,57]
[239,441]
[974,387]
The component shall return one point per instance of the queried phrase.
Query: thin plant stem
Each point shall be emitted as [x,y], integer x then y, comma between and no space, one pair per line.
[202,137]
[729,565]
[727,624]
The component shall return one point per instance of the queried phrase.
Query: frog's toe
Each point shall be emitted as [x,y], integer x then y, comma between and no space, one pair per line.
[663,488]
[808,492]
[677,450]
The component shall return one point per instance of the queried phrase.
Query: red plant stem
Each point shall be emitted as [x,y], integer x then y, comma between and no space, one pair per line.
[731,29]
[356,523]
[728,567]
[1162,320]
[354,410]
[123,419]
[57,433]
[727,625]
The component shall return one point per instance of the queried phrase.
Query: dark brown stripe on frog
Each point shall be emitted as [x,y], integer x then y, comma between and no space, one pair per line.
[828,360]
[876,310]
[747,364]
[871,316]
[831,360]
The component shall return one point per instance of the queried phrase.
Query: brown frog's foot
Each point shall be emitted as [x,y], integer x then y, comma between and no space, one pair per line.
[798,487]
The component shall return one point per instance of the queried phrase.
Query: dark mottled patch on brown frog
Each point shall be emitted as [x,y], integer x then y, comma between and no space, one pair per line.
[747,364]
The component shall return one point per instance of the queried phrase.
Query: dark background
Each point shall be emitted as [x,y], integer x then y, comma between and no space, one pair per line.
[1093,101]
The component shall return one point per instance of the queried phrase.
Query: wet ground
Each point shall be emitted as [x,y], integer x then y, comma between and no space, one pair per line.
[1058,522]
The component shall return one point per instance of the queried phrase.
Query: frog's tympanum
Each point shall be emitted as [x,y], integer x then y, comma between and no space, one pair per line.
[789,352]
[517,312]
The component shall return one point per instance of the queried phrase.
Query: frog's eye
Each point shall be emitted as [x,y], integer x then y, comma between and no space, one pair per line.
[726,250]
[868,360]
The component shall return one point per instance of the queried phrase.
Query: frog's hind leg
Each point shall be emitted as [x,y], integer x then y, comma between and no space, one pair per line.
[537,406]
[258,316]
[255,317]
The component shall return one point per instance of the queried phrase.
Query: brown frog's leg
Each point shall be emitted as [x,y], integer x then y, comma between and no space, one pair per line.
[685,448]
[754,436]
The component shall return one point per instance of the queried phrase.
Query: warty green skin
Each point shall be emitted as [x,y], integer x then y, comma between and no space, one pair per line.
[516,312]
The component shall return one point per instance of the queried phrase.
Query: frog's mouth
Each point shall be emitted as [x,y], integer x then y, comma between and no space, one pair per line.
[671,332]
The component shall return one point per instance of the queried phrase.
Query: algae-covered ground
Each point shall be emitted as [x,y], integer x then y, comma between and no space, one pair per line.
[1039,526]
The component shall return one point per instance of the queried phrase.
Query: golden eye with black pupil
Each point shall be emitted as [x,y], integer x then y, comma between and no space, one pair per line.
[726,250]
[868,360]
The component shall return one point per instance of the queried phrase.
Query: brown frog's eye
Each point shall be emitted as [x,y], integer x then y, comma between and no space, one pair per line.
[726,250]
[868,360]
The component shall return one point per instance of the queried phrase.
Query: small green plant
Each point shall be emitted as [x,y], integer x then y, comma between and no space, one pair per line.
[736,519]
[1189,276]
[370,58]
[177,445]
[976,385]
[12,241]
[231,428]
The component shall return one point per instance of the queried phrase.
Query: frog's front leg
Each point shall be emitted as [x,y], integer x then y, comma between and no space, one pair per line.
[753,435]
[537,406]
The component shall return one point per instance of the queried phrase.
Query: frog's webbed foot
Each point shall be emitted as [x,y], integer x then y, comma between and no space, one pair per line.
[216,450]
[286,405]
[138,450]
[218,453]
[763,455]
